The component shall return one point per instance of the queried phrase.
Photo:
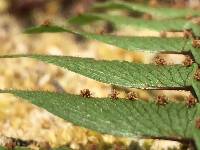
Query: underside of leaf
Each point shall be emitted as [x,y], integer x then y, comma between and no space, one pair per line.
[117,117]
[123,73]
[131,43]
[157,25]
[158,12]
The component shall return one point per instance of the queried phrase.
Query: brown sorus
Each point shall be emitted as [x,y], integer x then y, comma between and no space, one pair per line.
[159,61]
[188,33]
[161,100]
[147,17]
[197,74]
[109,28]
[85,93]
[191,101]
[46,22]
[188,61]
[79,9]
[196,43]
[197,123]
[132,96]
[189,17]
[163,34]
[114,94]
[103,31]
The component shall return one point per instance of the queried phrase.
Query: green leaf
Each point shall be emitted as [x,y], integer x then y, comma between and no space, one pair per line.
[196,86]
[62,148]
[117,117]
[151,44]
[131,43]
[26,148]
[22,148]
[123,73]
[158,12]
[157,25]
[16,148]
[196,54]
[48,28]
[197,139]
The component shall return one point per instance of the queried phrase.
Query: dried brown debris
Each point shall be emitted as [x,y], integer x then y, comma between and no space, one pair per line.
[10,144]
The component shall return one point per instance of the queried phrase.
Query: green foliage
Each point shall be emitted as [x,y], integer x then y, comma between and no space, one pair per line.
[16,148]
[158,12]
[156,25]
[62,148]
[22,148]
[123,73]
[120,117]
[196,86]
[197,139]
[25,148]
[42,28]
[131,43]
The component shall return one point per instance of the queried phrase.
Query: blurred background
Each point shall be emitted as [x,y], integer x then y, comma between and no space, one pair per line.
[22,120]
